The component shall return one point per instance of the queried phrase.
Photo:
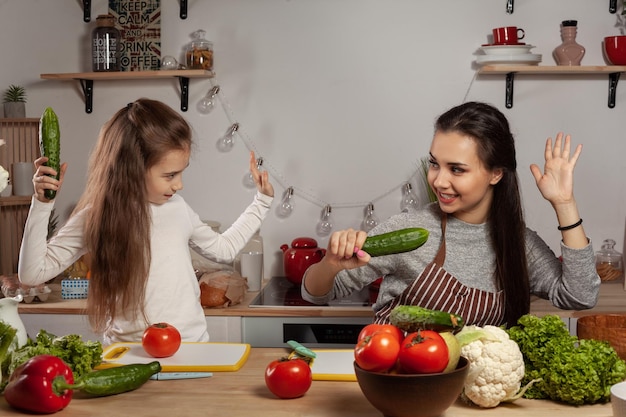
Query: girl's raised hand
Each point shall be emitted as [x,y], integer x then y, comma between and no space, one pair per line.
[261,178]
[556,182]
[43,181]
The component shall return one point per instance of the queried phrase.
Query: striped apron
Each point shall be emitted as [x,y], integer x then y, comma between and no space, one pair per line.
[436,289]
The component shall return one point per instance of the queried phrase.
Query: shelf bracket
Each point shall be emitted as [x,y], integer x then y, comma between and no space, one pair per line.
[612,6]
[183,9]
[87,86]
[508,90]
[509,6]
[613,79]
[86,10]
[184,93]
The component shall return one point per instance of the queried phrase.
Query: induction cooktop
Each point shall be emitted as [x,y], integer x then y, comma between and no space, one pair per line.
[280,292]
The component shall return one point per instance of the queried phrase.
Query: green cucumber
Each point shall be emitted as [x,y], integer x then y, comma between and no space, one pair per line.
[111,381]
[50,144]
[398,241]
[414,318]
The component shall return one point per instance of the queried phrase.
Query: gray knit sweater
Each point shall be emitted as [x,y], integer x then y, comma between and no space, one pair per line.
[571,284]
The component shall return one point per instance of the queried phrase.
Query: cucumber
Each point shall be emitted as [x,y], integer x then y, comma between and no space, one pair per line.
[50,144]
[398,241]
[414,318]
[111,381]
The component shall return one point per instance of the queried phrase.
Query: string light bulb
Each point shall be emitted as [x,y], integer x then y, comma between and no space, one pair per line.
[284,209]
[207,103]
[325,225]
[409,199]
[248,179]
[370,220]
[226,142]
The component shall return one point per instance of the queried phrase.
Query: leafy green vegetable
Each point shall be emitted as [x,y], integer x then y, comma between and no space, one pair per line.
[571,370]
[8,342]
[81,356]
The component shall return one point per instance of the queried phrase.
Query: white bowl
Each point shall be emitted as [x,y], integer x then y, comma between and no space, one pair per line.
[618,399]
[506,49]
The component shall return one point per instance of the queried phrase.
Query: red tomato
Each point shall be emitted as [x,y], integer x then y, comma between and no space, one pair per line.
[370,329]
[161,340]
[423,352]
[288,378]
[378,352]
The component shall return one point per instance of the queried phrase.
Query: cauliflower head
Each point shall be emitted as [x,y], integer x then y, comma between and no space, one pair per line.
[496,365]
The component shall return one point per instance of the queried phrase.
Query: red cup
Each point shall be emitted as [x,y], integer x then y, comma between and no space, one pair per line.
[508,35]
[615,50]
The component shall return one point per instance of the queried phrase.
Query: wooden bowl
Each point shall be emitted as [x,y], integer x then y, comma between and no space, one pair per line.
[609,327]
[412,395]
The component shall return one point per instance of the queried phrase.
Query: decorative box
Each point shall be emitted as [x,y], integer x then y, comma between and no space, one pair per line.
[74,288]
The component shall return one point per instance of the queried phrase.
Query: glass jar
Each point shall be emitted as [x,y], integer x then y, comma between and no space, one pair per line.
[105,45]
[199,54]
[609,262]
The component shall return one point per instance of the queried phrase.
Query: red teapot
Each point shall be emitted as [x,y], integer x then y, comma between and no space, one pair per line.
[302,254]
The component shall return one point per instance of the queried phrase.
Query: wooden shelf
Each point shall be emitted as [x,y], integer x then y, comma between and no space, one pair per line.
[15,200]
[87,79]
[613,72]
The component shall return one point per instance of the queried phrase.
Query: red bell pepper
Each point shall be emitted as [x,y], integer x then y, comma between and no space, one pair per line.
[31,386]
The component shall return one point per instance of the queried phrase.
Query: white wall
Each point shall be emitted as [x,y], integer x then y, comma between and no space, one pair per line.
[339,97]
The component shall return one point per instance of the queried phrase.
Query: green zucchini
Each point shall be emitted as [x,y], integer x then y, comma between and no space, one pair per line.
[414,318]
[398,241]
[111,381]
[50,144]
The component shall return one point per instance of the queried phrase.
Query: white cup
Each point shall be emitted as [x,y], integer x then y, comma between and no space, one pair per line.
[252,269]
[22,178]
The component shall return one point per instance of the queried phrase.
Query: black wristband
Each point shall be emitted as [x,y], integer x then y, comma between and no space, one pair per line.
[571,226]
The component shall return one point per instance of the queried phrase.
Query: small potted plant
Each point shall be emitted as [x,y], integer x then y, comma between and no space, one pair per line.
[14,99]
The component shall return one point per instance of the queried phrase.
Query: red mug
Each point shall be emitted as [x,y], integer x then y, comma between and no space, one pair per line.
[508,35]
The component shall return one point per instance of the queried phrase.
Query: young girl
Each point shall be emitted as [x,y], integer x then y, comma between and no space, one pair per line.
[480,261]
[135,227]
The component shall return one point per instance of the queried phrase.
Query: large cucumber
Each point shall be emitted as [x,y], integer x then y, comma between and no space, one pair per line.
[398,241]
[111,381]
[50,144]
[414,318]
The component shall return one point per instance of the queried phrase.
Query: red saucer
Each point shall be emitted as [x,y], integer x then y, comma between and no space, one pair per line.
[503,44]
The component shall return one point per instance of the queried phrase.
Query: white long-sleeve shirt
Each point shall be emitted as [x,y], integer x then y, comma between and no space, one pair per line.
[172,291]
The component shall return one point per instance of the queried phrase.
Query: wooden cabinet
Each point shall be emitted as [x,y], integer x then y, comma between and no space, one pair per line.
[22,145]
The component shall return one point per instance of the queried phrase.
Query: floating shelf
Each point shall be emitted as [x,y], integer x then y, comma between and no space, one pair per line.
[87,79]
[613,72]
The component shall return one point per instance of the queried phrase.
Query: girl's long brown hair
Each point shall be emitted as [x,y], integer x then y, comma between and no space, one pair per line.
[496,149]
[117,221]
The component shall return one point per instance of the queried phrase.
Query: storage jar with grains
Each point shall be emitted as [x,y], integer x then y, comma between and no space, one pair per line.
[609,262]
[199,53]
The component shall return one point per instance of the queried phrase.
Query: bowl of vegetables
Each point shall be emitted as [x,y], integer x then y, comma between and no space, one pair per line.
[412,395]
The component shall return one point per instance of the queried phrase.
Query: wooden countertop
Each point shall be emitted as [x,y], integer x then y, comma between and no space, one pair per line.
[244,394]
[612,299]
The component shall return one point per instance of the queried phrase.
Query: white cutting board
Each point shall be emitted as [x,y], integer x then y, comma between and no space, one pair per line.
[190,357]
[333,365]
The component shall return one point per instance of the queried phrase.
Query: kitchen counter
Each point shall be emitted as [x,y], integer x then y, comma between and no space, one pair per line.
[244,394]
[612,299]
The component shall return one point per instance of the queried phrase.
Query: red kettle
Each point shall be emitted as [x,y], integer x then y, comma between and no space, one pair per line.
[302,254]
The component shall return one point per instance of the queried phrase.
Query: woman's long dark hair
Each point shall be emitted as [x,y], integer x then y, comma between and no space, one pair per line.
[496,149]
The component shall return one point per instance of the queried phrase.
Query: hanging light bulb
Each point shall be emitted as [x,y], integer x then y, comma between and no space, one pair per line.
[226,142]
[248,179]
[325,225]
[409,199]
[284,209]
[207,103]
[370,220]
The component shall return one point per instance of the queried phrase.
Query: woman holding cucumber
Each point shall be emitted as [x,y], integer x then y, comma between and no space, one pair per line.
[480,260]
[136,228]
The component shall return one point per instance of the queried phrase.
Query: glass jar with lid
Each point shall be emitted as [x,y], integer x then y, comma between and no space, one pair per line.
[199,54]
[609,262]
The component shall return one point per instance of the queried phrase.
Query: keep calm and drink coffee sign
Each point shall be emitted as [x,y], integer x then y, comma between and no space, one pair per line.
[139,23]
